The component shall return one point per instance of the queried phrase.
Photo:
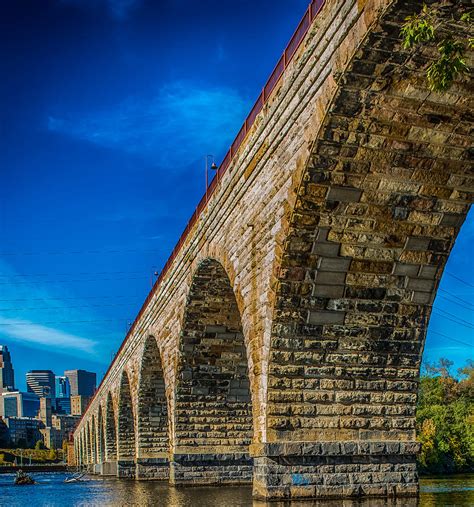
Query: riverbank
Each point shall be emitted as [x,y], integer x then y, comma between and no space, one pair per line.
[44,468]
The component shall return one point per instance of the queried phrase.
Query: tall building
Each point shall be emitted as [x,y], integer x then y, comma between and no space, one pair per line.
[79,404]
[82,382]
[45,413]
[18,404]
[7,378]
[63,388]
[42,383]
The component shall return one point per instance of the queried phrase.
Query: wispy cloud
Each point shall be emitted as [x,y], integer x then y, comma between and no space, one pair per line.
[174,128]
[30,333]
[119,9]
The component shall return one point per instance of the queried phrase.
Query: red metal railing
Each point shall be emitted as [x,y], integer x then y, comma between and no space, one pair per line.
[303,27]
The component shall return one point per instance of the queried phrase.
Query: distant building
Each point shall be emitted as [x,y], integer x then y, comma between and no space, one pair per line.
[52,438]
[24,430]
[63,388]
[79,404]
[7,377]
[19,404]
[65,424]
[63,406]
[82,382]
[42,383]
[45,413]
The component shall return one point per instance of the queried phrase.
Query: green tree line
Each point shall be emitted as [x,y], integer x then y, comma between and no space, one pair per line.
[445,419]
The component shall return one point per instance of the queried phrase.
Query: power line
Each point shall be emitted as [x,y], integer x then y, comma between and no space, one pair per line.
[26,275]
[61,322]
[470,326]
[75,280]
[34,308]
[456,303]
[115,296]
[465,301]
[460,279]
[74,252]
[452,339]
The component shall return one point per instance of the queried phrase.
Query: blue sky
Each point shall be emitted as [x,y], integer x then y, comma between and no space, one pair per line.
[107,110]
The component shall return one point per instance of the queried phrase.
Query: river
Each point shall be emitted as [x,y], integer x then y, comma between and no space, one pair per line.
[52,491]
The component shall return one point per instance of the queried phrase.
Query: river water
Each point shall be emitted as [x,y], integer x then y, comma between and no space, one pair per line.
[52,491]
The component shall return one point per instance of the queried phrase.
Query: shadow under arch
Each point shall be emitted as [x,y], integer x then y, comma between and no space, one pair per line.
[93,440]
[126,443]
[152,426]
[110,431]
[213,408]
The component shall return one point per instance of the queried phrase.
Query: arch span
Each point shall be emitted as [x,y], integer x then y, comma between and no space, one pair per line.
[126,430]
[153,433]
[377,213]
[100,436]
[213,413]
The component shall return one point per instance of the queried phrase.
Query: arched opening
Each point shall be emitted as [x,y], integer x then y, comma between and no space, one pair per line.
[110,431]
[152,423]
[100,437]
[126,430]
[213,400]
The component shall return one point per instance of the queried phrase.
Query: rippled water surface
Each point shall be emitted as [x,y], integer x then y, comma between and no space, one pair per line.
[52,491]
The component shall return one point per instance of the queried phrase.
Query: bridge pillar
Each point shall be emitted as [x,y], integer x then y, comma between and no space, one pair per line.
[126,469]
[156,468]
[327,470]
[109,468]
[210,468]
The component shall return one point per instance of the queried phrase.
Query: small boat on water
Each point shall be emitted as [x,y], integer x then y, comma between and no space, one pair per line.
[75,478]
[23,479]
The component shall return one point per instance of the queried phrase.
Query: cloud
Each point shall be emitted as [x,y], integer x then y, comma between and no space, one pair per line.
[35,334]
[174,128]
[119,9]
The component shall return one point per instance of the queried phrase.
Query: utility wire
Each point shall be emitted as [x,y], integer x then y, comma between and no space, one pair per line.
[455,321]
[75,280]
[115,296]
[453,301]
[465,301]
[456,317]
[73,252]
[61,322]
[27,275]
[460,279]
[452,339]
[33,308]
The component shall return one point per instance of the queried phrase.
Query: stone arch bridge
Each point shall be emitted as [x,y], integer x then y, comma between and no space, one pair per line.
[282,342]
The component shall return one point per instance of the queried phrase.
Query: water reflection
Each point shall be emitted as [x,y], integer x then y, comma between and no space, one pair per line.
[51,492]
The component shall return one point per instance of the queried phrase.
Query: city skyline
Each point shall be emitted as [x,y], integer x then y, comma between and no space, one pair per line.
[119,140]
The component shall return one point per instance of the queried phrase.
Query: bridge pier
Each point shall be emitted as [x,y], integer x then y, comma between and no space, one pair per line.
[126,469]
[157,468]
[211,469]
[109,468]
[327,470]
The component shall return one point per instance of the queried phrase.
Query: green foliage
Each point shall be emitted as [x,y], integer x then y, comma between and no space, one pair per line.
[445,419]
[431,25]
[39,445]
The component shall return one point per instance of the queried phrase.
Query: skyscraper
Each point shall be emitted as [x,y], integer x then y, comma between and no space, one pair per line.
[63,388]
[82,382]
[7,379]
[42,383]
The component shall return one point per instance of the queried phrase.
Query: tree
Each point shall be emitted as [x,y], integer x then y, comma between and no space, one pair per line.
[40,445]
[52,455]
[434,25]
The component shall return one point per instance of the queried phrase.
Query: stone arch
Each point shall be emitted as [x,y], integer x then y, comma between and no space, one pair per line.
[152,404]
[213,407]
[126,422]
[110,430]
[100,436]
[381,201]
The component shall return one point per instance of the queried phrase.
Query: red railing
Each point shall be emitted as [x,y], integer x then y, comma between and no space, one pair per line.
[303,27]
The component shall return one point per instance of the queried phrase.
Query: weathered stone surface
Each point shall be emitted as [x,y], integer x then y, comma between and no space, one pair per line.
[292,320]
